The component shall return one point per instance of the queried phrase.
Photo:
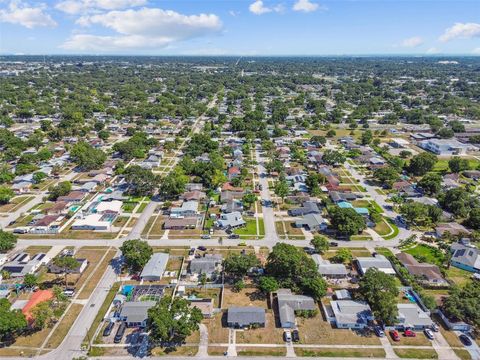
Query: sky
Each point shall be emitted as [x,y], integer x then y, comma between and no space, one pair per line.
[240,27]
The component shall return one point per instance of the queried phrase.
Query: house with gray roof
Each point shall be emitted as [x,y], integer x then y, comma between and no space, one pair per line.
[328,269]
[411,316]
[351,314]
[135,313]
[155,267]
[245,316]
[208,264]
[466,257]
[289,303]
[308,207]
[188,209]
[312,222]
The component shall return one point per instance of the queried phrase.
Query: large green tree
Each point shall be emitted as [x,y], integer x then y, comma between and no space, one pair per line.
[6,194]
[142,182]
[172,320]
[136,254]
[320,243]
[421,164]
[457,164]
[7,241]
[333,157]
[380,291]
[431,183]
[347,221]
[237,265]
[86,156]
[12,322]
[463,303]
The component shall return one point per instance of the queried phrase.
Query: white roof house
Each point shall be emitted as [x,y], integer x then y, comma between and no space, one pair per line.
[91,222]
[379,262]
[155,267]
[231,220]
[410,315]
[111,206]
[328,269]
[188,208]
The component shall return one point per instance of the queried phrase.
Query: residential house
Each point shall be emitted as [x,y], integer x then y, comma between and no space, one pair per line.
[245,316]
[289,303]
[230,221]
[94,222]
[452,228]
[233,172]
[155,267]
[181,223]
[350,314]
[312,222]
[466,257]
[58,208]
[206,306]
[22,264]
[209,264]
[378,261]
[72,197]
[328,269]
[188,209]
[231,206]
[308,207]
[411,316]
[36,298]
[195,195]
[135,313]
[425,273]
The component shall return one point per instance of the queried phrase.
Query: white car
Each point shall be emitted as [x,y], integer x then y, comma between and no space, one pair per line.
[287,336]
[429,334]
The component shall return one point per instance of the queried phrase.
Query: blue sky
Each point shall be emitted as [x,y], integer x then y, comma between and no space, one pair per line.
[239,27]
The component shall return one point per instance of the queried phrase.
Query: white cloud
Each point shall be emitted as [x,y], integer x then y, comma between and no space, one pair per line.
[433,50]
[461,30]
[476,51]
[234,13]
[29,16]
[141,29]
[412,42]
[259,8]
[84,6]
[305,6]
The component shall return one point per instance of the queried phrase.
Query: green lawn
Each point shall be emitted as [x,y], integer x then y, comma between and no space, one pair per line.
[442,164]
[382,228]
[396,230]
[427,254]
[251,227]
[141,207]
[458,276]
[129,206]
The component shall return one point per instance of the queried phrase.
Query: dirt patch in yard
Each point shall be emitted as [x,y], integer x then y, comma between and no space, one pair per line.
[245,297]
[318,331]
[217,329]
[270,334]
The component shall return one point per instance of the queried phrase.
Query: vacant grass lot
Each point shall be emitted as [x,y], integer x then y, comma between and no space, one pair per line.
[416,353]
[179,351]
[94,257]
[261,351]
[458,276]
[16,203]
[347,353]
[250,229]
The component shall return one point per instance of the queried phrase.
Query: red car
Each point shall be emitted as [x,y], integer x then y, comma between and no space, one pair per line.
[409,333]
[394,335]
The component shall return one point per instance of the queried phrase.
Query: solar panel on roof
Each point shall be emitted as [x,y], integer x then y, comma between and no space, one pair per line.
[460,252]
[41,256]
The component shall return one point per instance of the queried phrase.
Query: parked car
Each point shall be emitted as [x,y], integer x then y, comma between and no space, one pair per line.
[120,333]
[394,335]
[202,248]
[333,244]
[287,336]
[429,334]
[378,331]
[108,329]
[205,236]
[295,336]
[309,250]
[465,340]
[435,327]
[409,333]
[192,251]
[234,236]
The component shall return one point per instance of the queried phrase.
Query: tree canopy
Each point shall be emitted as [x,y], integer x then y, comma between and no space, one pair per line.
[136,254]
